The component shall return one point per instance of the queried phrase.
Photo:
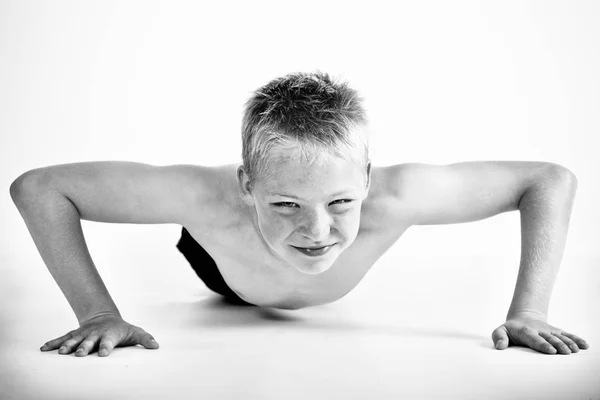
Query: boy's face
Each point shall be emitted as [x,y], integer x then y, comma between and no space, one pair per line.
[304,207]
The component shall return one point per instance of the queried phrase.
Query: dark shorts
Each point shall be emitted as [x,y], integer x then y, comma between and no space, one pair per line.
[206,268]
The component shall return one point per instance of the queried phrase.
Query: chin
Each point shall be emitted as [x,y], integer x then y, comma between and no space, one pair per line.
[313,269]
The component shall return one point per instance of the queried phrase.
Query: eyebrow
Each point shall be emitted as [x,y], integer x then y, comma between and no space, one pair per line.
[298,198]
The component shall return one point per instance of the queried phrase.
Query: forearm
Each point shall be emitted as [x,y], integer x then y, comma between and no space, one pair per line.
[55,226]
[545,213]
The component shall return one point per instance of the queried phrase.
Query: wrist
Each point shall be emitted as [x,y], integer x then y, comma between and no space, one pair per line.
[100,314]
[527,314]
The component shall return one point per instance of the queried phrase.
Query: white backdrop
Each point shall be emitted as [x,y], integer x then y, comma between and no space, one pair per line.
[164,83]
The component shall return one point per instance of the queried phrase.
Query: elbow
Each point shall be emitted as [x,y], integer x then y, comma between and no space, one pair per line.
[554,176]
[561,180]
[563,174]
[18,188]
[26,184]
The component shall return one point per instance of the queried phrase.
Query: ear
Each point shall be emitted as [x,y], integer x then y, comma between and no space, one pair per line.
[245,185]
[368,177]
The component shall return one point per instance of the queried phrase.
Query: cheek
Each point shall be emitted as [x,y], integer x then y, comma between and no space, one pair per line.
[276,226]
[349,223]
[273,225]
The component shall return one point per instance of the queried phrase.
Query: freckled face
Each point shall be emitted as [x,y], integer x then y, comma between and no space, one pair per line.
[309,213]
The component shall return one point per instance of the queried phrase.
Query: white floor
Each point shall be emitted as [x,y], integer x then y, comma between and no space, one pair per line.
[415,329]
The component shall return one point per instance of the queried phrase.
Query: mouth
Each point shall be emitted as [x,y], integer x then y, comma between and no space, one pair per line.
[314,251]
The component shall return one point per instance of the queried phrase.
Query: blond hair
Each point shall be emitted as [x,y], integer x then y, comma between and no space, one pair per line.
[306,111]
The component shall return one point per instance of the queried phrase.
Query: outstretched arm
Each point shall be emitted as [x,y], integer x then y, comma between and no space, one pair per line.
[545,209]
[470,191]
[53,201]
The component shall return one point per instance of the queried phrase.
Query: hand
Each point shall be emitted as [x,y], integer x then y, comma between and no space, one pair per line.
[532,331]
[104,332]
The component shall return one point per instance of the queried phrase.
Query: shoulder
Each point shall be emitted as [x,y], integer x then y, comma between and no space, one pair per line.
[211,193]
[384,206]
[399,192]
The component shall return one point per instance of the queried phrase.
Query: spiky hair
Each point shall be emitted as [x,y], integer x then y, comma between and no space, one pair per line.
[309,111]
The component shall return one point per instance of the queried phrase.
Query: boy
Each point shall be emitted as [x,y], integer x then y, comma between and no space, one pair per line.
[300,222]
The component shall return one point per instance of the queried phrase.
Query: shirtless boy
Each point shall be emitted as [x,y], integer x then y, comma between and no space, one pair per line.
[300,222]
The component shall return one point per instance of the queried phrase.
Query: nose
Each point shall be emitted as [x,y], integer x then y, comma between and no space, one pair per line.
[316,226]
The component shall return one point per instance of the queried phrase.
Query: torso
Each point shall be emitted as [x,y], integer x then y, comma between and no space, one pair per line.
[231,239]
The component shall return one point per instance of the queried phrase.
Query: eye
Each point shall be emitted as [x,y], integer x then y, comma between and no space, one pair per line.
[285,204]
[342,201]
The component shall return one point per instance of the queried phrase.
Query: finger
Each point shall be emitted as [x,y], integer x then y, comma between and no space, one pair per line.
[87,346]
[532,339]
[107,344]
[558,344]
[146,340]
[500,338]
[582,344]
[570,343]
[68,346]
[55,343]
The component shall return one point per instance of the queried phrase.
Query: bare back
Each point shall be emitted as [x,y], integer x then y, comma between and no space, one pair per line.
[230,237]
